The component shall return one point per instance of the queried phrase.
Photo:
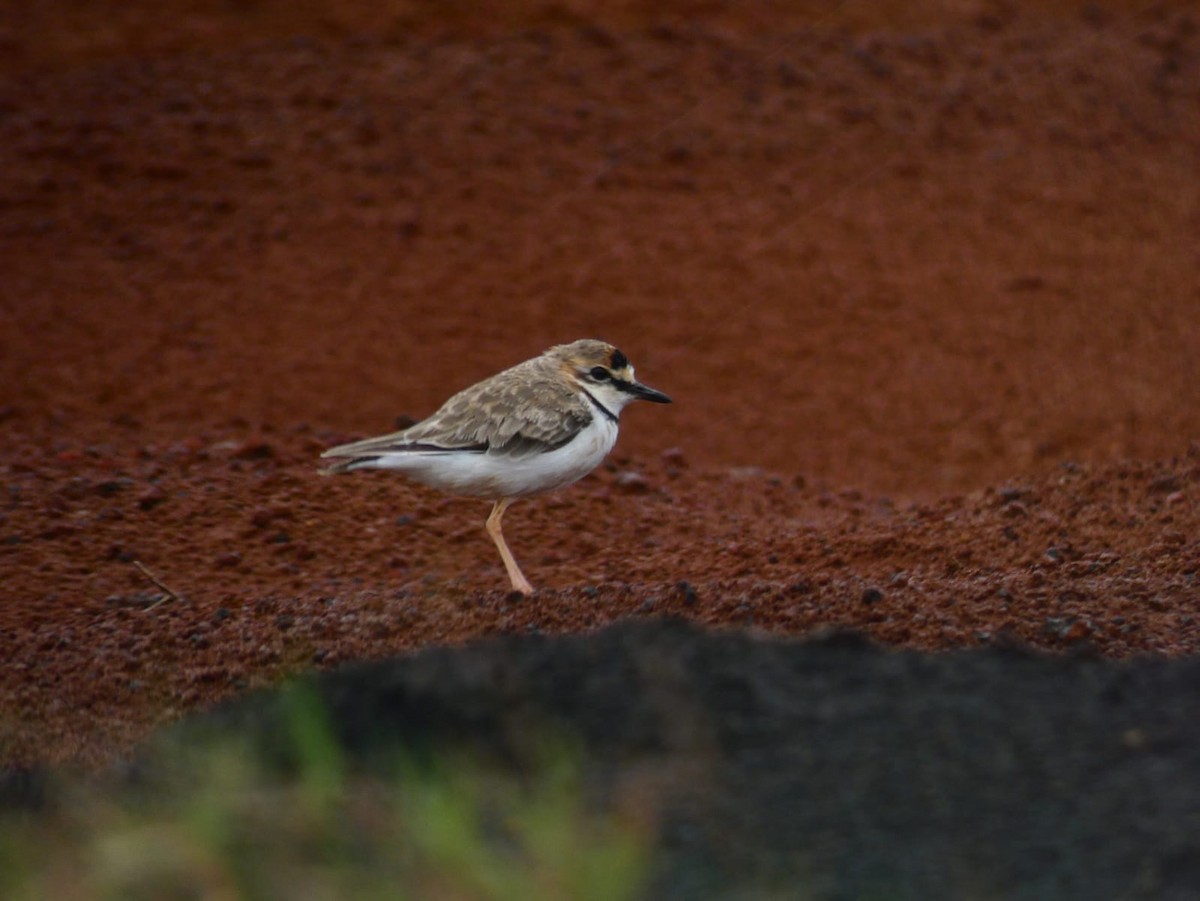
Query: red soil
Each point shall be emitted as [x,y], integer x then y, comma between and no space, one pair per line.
[923,285]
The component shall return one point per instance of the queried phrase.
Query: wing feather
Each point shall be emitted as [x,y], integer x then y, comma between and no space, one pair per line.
[516,413]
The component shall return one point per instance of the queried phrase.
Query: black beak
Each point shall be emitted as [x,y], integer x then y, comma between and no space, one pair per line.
[642,392]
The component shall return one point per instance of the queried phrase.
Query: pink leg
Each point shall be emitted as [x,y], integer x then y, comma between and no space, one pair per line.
[519,582]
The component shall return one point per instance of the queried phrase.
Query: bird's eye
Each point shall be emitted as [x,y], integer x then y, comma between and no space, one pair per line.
[599,373]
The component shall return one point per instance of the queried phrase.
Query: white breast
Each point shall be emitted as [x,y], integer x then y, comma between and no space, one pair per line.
[494,476]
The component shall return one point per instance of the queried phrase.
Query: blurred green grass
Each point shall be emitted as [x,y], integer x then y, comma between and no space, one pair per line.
[226,825]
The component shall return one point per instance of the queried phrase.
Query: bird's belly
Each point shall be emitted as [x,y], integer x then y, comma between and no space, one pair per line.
[495,476]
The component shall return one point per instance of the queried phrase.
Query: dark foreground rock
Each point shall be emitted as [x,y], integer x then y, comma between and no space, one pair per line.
[830,768]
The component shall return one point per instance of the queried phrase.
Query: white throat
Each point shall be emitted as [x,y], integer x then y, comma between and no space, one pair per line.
[611,400]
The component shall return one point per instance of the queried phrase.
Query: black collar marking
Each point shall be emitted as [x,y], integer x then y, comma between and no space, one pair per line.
[599,406]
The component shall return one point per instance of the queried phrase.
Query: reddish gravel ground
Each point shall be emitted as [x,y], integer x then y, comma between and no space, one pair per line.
[924,284]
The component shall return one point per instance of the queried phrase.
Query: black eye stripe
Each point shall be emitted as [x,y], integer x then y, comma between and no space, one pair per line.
[600,374]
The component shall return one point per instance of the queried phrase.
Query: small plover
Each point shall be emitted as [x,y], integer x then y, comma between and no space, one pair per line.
[536,427]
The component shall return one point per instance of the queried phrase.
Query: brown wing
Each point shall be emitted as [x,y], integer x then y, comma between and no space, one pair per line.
[518,412]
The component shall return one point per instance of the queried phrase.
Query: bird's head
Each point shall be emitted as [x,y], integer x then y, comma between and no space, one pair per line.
[605,373]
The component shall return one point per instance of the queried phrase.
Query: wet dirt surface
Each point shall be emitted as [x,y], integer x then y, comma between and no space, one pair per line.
[923,286]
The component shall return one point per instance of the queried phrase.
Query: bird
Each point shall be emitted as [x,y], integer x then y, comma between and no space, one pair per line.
[536,427]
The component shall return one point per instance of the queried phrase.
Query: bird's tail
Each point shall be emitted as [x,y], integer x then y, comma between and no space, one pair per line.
[347,464]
